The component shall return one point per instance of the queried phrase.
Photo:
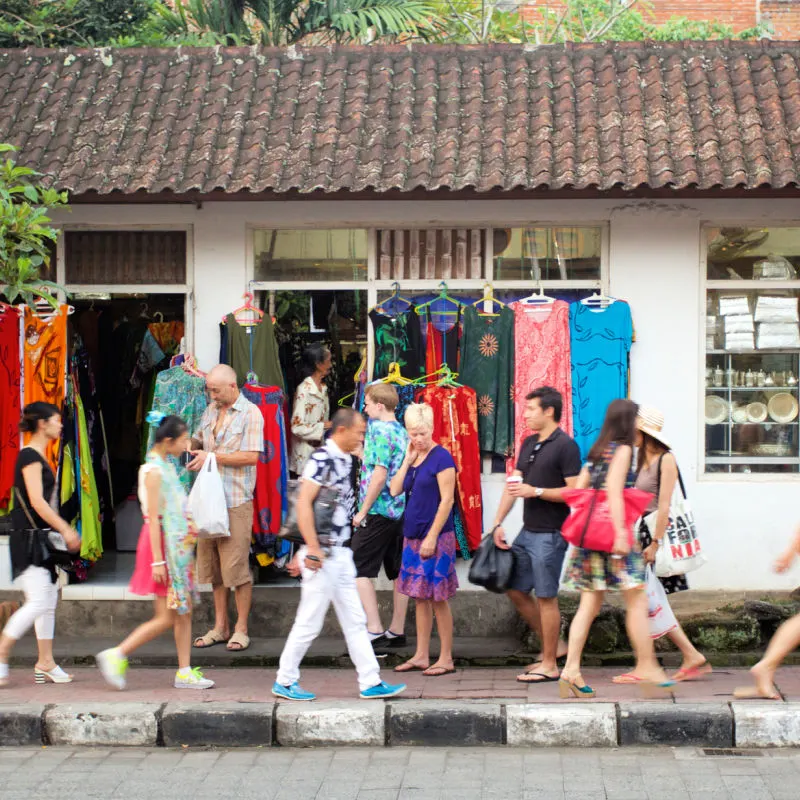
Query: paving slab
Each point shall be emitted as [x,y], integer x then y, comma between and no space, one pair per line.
[106,724]
[360,722]
[540,725]
[219,724]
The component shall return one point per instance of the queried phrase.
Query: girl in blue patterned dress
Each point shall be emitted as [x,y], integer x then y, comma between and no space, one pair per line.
[593,573]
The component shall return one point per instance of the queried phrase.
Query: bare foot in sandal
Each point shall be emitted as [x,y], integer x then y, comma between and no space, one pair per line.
[438,670]
[411,666]
[210,639]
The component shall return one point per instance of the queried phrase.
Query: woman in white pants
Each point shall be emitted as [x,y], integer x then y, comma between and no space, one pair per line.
[34,497]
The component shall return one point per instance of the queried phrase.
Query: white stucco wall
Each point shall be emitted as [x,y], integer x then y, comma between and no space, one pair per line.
[654,254]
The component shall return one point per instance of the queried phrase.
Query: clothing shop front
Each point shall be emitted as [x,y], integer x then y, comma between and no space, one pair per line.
[687,303]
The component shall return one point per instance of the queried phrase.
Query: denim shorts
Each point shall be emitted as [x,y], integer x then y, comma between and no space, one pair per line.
[538,560]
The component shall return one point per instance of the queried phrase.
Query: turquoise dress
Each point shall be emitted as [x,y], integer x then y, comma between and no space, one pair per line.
[600,343]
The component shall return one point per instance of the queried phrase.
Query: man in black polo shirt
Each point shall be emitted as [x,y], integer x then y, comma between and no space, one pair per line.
[548,461]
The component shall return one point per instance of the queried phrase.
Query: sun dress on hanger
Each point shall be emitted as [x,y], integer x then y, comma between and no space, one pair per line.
[601,340]
[487,366]
[542,355]
[398,340]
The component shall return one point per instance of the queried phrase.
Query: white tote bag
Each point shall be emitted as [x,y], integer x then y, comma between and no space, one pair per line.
[207,502]
[661,617]
[680,551]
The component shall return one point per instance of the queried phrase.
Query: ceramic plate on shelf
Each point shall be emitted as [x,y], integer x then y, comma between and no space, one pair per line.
[771,450]
[716,410]
[756,412]
[783,407]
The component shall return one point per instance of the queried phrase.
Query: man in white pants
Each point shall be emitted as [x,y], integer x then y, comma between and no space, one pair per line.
[329,574]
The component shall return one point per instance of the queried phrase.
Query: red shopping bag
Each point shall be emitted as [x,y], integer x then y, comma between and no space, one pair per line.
[589,524]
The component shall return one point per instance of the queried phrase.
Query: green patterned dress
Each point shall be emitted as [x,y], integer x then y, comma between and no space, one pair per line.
[487,366]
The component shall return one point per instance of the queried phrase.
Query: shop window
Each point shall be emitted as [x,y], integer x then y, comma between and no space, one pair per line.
[432,254]
[547,254]
[311,255]
[125,257]
[752,350]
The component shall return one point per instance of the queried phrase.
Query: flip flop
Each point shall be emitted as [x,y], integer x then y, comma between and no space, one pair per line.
[439,672]
[693,673]
[409,668]
[209,640]
[753,693]
[241,639]
[627,679]
[540,677]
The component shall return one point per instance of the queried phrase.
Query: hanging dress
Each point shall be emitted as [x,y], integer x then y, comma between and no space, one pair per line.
[455,414]
[45,355]
[10,412]
[441,346]
[487,366]
[397,341]
[600,341]
[542,355]
[272,472]
[254,349]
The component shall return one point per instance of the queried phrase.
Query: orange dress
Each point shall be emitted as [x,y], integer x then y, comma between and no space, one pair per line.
[45,364]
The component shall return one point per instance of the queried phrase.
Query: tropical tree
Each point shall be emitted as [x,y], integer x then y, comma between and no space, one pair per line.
[284,22]
[26,236]
[58,23]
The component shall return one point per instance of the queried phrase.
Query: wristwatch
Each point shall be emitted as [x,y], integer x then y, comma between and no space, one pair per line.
[538,491]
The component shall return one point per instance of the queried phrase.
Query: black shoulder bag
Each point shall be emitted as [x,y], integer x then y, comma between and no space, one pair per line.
[45,547]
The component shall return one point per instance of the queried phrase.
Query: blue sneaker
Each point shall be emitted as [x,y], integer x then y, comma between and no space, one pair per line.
[383,691]
[293,692]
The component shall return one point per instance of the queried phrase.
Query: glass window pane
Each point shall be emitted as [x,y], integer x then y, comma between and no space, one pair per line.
[432,254]
[753,253]
[751,395]
[547,254]
[311,255]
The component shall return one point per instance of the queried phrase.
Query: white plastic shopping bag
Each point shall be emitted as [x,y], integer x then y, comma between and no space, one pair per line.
[207,502]
[662,619]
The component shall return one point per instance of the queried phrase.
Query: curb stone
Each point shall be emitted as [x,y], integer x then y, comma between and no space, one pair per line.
[767,724]
[551,725]
[415,722]
[217,724]
[22,725]
[106,724]
[331,724]
[681,725]
[439,723]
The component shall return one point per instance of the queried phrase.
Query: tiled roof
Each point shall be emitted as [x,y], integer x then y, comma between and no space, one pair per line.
[602,116]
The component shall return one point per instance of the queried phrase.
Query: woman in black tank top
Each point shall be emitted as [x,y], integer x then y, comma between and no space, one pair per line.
[34,492]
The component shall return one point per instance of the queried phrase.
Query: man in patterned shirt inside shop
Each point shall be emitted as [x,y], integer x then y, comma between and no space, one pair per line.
[378,526]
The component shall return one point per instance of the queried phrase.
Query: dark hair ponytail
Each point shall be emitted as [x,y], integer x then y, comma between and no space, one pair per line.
[313,355]
[37,412]
[171,427]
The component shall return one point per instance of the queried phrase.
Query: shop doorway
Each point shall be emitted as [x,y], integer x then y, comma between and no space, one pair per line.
[119,344]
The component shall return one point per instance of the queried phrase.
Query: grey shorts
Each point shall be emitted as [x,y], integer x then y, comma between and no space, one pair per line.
[538,560]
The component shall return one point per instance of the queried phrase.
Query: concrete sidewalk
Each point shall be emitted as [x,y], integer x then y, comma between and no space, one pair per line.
[471,707]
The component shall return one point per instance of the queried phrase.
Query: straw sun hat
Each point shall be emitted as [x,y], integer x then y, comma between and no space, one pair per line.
[651,422]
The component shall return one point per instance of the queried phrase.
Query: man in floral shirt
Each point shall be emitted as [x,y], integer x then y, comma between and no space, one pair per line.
[378,526]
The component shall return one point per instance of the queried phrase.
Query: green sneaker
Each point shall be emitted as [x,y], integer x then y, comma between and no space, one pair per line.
[113,667]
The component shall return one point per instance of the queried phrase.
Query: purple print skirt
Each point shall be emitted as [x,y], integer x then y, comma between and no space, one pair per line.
[431,578]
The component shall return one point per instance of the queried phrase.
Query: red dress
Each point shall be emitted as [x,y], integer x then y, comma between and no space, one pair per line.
[542,358]
[142,582]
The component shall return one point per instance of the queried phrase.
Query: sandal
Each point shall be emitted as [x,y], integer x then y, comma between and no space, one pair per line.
[693,673]
[627,679]
[438,672]
[241,641]
[409,667]
[209,640]
[536,677]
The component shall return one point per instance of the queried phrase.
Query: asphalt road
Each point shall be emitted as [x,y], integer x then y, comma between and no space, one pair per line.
[396,774]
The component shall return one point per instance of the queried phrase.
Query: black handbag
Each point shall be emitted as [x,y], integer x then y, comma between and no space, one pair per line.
[43,546]
[492,567]
[325,505]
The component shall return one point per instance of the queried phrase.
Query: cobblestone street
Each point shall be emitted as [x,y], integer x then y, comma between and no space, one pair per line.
[398,774]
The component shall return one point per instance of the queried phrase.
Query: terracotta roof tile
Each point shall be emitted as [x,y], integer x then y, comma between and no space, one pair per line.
[672,115]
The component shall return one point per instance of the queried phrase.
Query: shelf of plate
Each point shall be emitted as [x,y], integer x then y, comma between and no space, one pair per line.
[727,389]
[734,460]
